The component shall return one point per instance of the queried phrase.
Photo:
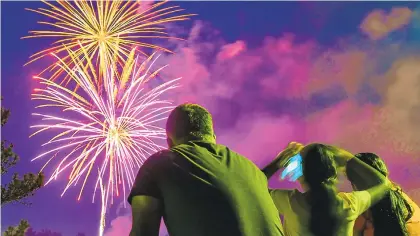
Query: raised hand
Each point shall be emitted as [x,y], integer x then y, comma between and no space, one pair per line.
[292,149]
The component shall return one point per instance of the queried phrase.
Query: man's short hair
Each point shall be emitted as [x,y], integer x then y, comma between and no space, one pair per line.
[189,121]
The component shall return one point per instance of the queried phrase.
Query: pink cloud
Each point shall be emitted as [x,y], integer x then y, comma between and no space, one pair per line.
[144,6]
[119,226]
[231,50]
[262,136]
[192,79]
[284,69]
[348,69]
[345,124]
[289,60]
[234,66]
[378,24]
[399,117]
[122,226]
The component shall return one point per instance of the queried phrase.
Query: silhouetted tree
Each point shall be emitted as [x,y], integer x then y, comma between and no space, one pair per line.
[18,189]
[44,232]
[17,230]
[4,115]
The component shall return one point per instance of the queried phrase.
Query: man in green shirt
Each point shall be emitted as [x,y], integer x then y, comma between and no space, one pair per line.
[200,187]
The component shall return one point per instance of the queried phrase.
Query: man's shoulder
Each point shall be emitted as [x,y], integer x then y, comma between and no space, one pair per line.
[238,157]
[158,157]
[162,154]
[233,152]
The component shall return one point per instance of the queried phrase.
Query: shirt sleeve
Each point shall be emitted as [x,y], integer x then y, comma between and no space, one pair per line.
[146,183]
[281,199]
[359,201]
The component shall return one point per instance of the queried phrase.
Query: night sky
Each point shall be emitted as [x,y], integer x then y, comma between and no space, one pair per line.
[270,72]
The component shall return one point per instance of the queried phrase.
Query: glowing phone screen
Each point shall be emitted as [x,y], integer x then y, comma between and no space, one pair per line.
[293,168]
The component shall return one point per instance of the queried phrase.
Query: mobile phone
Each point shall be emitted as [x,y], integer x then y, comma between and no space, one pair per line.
[293,169]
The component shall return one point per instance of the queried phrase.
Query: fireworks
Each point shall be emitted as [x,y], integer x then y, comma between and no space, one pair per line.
[114,130]
[103,207]
[107,30]
[110,112]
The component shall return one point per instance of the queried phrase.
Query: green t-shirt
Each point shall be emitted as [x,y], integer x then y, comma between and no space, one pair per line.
[207,189]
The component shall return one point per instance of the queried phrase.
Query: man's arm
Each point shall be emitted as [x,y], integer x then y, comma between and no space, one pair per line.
[146,199]
[147,213]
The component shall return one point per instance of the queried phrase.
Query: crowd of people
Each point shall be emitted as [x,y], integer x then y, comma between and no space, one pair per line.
[203,188]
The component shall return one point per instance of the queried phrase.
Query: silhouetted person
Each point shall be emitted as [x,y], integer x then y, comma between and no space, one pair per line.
[199,187]
[320,210]
[396,214]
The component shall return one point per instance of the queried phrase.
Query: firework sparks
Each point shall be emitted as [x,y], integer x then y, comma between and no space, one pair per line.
[107,30]
[115,130]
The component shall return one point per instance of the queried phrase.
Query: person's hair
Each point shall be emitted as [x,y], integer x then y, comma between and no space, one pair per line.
[320,175]
[189,121]
[389,215]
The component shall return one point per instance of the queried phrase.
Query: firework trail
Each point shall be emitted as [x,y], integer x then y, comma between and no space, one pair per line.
[108,30]
[114,130]
[103,207]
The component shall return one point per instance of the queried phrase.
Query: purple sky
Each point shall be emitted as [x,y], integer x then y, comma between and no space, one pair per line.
[271,72]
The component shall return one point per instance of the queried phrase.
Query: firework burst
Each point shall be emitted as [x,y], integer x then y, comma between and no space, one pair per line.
[114,130]
[108,30]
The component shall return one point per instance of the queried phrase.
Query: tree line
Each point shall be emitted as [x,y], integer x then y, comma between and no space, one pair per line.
[19,188]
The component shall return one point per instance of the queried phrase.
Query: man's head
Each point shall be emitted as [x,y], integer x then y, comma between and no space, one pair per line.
[189,122]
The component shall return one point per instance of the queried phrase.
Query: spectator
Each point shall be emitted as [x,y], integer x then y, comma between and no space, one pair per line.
[320,210]
[396,214]
[199,187]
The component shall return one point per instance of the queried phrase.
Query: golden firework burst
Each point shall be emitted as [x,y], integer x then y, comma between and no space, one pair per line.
[107,30]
